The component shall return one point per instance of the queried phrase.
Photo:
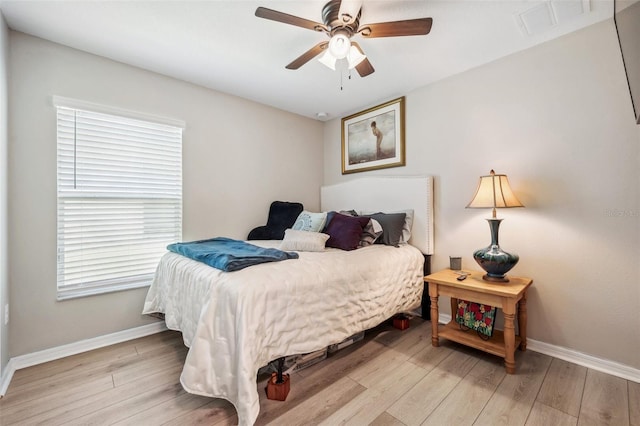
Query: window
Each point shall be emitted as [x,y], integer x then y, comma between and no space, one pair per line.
[119,198]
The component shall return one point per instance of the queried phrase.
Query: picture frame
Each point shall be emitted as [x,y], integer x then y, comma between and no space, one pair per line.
[374,138]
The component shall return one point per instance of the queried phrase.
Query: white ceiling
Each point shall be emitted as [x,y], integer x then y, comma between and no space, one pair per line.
[220,44]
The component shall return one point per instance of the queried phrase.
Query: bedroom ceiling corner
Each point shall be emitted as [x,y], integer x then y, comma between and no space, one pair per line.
[223,45]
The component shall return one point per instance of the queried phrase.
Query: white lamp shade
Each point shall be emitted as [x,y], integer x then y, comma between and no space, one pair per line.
[328,60]
[494,192]
[355,57]
[339,45]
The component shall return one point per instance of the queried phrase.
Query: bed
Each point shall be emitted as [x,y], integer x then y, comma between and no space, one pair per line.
[236,322]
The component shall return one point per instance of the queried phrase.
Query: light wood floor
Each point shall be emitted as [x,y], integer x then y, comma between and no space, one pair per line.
[392,377]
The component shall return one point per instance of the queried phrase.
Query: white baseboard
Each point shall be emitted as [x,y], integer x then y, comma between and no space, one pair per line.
[610,367]
[35,358]
[592,362]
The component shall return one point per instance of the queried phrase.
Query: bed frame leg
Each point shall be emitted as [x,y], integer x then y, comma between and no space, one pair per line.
[278,385]
[280,367]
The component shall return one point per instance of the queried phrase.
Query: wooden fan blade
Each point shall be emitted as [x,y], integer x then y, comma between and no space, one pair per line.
[409,27]
[274,15]
[364,68]
[308,55]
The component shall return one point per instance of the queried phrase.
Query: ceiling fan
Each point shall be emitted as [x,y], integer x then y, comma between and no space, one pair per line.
[341,21]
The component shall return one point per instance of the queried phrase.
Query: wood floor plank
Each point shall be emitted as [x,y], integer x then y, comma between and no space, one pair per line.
[409,341]
[463,404]
[317,377]
[96,359]
[368,405]
[168,410]
[41,388]
[563,386]
[14,409]
[107,372]
[126,366]
[147,364]
[386,419]
[158,342]
[82,362]
[378,368]
[544,415]
[145,399]
[634,403]
[429,356]
[217,412]
[605,401]
[314,410]
[415,406]
[512,401]
[70,410]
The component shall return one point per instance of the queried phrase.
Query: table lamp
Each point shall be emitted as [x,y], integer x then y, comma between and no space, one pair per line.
[494,192]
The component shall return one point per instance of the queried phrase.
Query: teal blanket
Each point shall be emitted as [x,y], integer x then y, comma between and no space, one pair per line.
[229,255]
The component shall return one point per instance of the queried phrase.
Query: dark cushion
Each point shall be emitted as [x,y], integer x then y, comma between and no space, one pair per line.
[392,224]
[368,234]
[345,231]
[331,213]
[282,215]
[328,221]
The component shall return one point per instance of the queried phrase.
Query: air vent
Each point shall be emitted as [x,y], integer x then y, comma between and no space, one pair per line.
[549,14]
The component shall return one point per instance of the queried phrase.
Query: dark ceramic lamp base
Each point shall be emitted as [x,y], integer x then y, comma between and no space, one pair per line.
[495,261]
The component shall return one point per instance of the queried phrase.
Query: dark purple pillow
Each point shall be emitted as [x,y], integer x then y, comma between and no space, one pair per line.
[345,231]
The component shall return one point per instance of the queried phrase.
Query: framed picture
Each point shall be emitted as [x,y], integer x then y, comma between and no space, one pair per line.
[374,139]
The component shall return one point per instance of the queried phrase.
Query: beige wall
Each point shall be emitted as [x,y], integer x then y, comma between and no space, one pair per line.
[4,265]
[629,36]
[557,119]
[238,156]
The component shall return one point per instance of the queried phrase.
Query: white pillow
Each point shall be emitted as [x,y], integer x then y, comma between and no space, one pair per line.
[303,240]
[307,221]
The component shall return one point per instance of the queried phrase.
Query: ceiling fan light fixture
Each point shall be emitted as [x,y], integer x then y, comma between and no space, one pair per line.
[355,57]
[339,45]
[328,60]
[341,21]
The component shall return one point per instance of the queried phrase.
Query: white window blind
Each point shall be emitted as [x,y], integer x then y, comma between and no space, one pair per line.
[119,200]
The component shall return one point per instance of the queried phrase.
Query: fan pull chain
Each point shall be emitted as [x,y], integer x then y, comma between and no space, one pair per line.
[341,79]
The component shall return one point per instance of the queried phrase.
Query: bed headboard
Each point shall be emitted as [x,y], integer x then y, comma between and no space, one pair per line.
[388,194]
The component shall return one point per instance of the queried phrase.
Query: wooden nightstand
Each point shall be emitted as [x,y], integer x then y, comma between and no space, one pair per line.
[511,297]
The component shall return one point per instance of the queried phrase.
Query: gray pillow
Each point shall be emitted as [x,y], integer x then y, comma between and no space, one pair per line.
[392,224]
[408,222]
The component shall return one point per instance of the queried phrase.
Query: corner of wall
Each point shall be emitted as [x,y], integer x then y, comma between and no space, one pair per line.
[4,162]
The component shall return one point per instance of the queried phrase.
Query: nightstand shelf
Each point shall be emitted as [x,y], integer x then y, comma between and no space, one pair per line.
[494,346]
[511,297]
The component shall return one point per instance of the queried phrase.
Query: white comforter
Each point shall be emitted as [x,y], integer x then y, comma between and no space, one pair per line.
[236,322]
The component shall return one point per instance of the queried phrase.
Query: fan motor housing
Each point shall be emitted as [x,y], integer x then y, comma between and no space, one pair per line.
[331,18]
